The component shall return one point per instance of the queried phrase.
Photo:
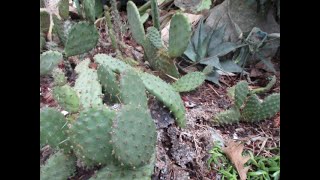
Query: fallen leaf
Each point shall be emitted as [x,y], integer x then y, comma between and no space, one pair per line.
[233,152]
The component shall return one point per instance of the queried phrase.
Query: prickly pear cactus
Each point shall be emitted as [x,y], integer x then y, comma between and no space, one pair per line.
[179,35]
[154,37]
[67,98]
[112,172]
[155,14]
[189,82]
[89,10]
[53,129]
[114,64]
[87,86]
[241,92]
[42,42]
[167,95]
[229,116]
[44,21]
[108,81]
[268,108]
[64,9]
[133,136]
[59,166]
[133,91]
[49,60]
[82,38]
[252,106]
[58,28]
[90,135]
[136,26]
[59,78]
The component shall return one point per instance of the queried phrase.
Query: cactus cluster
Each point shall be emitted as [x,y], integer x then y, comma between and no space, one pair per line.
[247,105]
[158,56]
[163,91]
[123,139]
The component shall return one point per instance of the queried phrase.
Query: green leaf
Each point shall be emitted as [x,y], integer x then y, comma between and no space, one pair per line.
[230,66]
[214,77]
[212,61]
[190,52]
[222,49]
[217,37]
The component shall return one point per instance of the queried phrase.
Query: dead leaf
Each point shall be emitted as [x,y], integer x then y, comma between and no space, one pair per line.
[234,153]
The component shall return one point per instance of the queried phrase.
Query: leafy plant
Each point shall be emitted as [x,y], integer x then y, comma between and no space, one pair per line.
[207,46]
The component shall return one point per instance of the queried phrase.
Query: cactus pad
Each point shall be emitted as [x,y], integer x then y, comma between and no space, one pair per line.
[59,78]
[44,21]
[155,37]
[109,83]
[48,61]
[189,82]
[67,98]
[179,35]
[89,10]
[112,172]
[155,14]
[135,23]
[64,9]
[114,64]
[252,106]
[87,86]
[165,93]
[134,136]
[229,116]
[90,135]
[59,166]
[133,91]
[82,38]
[240,93]
[58,28]
[53,129]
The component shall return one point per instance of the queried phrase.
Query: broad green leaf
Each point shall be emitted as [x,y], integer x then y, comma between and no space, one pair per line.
[222,49]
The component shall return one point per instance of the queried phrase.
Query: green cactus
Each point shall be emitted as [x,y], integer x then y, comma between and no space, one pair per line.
[112,172]
[44,21]
[268,108]
[58,28]
[229,116]
[268,86]
[252,106]
[179,35]
[155,14]
[42,42]
[241,92]
[108,81]
[90,135]
[167,95]
[133,136]
[48,61]
[114,64]
[82,38]
[59,167]
[110,28]
[135,23]
[67,98]
[154,37]
[87,86]
[133,91]
[53,129]
[89,10]
[189,82]
[59,78]
[64,9]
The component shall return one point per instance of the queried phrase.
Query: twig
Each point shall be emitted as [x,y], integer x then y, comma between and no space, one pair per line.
[214,90]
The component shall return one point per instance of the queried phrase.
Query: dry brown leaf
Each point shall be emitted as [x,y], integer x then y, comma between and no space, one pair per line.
[234,153]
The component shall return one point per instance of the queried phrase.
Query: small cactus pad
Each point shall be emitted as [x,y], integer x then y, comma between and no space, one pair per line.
[252,106]
[42,42]
[155,14]
[53,129]
[49,60]
[109,83]
[134,20]
[165,93]
[134,136]
[58,28]
[90,135]
[240,93]
[133,91]
[87,86]
[114,64]
[44,21]
[189,82]
[179,35]
[89,10]
[64,9]
[268,86]
[67,98]
[59,166]
[59,78]
[269,107]
[155,37]
[229,116]
[82,38]
[112,172]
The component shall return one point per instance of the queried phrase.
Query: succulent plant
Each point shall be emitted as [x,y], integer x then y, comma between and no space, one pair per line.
[48,61]
[189,82]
